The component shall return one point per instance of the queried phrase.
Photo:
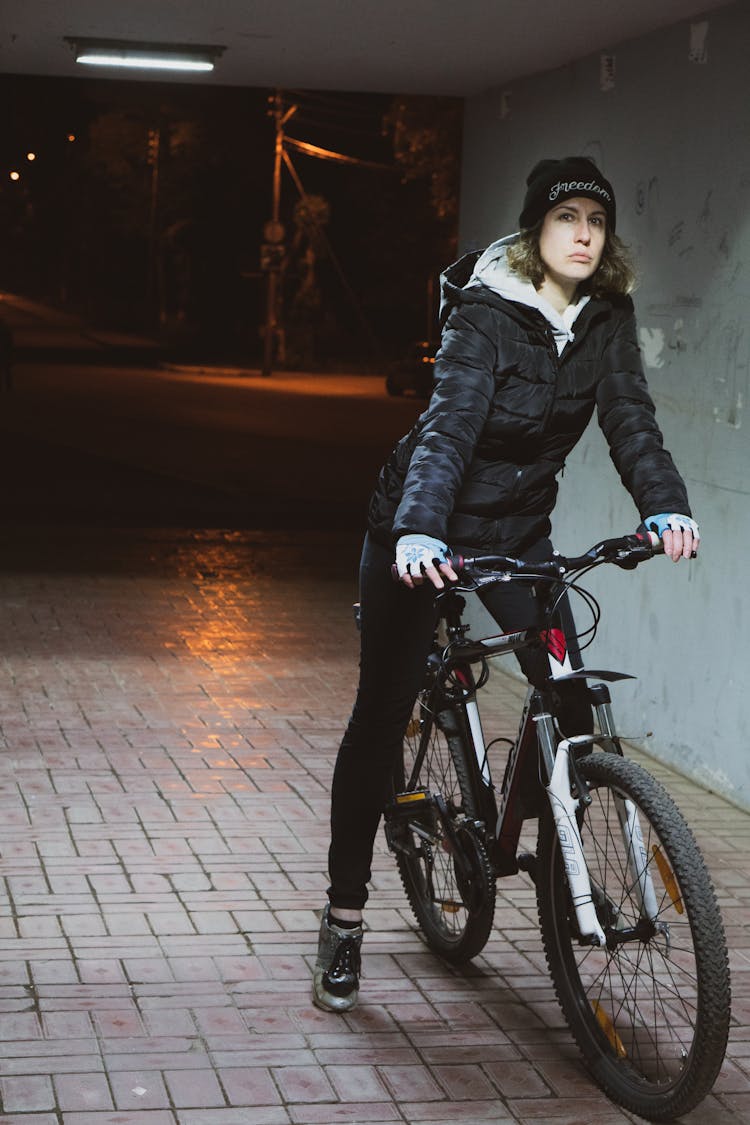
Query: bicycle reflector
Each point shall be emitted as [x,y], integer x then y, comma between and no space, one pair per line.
[412,796]
[609,1030]
[668,878]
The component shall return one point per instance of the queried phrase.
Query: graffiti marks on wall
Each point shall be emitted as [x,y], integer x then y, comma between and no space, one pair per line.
[652,346]
[698,33]
[730,373]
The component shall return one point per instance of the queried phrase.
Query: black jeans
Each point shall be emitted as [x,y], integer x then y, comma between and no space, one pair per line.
[397,629]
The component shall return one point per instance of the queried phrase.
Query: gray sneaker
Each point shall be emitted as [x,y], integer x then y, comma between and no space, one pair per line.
[337,968]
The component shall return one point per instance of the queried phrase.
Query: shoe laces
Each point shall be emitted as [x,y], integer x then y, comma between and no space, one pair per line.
[347,959]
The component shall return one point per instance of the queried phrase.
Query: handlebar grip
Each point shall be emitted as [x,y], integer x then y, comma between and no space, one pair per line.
[656,544]
[634,549]
[456,561]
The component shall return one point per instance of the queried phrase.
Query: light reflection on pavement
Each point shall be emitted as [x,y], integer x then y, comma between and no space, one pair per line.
[171,702]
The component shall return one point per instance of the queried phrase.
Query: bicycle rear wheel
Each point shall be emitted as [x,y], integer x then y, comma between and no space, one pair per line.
[454,910]
[650,1011]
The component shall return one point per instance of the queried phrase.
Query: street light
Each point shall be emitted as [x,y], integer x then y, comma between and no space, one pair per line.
[15,176]
[143,56]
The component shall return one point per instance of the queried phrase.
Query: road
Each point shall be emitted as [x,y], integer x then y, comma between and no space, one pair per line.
[123,445]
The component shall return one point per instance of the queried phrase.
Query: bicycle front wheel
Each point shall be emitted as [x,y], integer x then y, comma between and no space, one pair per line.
[650,1011]
[454,907]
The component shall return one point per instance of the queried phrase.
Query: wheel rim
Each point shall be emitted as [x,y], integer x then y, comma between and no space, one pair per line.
[433,864]
[642,992]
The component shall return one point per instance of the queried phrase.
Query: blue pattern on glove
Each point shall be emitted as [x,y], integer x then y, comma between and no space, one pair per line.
[671,521]
[416,551]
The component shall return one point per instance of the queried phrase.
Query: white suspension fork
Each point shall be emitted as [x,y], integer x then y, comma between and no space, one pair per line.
[638,861]
[564,807]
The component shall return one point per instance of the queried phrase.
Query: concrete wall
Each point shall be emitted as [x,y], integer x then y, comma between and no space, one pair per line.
[673,135]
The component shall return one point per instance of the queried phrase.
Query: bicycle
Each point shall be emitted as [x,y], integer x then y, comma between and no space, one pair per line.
[629,922]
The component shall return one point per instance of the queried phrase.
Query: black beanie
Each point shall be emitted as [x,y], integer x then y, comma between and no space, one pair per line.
[551,181]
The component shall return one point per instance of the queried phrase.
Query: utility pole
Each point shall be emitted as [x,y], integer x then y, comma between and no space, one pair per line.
[272,251]
[155,271]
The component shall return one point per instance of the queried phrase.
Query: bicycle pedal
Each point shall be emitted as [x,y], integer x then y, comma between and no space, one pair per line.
[415,805]
[411,798]
[527,862]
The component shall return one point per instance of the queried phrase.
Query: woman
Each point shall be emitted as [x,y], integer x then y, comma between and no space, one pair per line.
[537,332]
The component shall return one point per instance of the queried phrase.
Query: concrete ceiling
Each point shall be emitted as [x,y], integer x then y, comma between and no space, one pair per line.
[405,46]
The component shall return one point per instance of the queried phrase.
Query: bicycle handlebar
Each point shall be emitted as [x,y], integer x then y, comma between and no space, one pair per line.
[625,551]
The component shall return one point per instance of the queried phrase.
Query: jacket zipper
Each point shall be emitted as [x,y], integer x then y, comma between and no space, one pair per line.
[516,486]
[552,348]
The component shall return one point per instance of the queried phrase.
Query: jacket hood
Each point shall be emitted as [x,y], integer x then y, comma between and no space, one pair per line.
[485,272]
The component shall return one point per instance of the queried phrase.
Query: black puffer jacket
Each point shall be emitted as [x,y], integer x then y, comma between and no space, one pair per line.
[478,468]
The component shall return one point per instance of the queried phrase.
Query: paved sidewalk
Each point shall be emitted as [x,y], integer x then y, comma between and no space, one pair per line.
[170,706]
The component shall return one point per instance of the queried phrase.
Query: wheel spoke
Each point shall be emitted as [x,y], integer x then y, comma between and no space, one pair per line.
[438,896]
[642,1007]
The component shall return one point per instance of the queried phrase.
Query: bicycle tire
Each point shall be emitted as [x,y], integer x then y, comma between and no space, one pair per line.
[455,915]
[650,1015]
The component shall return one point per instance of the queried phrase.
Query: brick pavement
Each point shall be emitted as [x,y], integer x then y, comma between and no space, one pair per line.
[170,705]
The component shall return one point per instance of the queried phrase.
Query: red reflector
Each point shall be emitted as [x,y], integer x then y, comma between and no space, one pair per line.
[554,639]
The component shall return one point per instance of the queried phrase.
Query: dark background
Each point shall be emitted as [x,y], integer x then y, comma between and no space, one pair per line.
[85,230]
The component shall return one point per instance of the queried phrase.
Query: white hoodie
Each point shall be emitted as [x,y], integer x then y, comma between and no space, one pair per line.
[492,270]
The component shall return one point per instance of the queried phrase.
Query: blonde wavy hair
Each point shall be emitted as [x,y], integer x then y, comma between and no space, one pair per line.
[615,275]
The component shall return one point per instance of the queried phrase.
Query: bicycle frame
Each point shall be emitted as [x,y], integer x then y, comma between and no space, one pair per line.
[541,762]
[629,921]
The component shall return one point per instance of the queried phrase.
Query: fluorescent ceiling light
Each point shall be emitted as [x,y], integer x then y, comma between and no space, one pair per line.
[144,56]
[145,62]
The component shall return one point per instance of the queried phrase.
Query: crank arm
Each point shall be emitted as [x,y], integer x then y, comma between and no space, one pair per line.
[463,867]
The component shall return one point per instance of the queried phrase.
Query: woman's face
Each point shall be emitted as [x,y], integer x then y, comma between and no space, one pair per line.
[571,241]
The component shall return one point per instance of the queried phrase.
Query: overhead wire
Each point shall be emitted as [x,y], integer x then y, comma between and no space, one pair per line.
[333,115]
[338,127]
[334,104]
[374,342]
[338,157]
